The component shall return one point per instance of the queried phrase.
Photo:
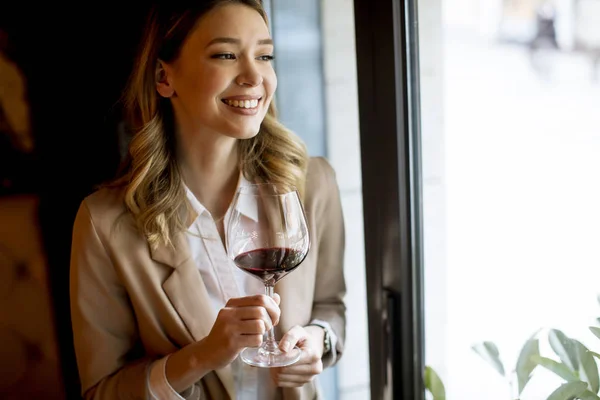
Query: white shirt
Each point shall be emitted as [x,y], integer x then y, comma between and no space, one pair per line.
[223,280]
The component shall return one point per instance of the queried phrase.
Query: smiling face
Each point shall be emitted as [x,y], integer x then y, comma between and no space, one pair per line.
[223,81]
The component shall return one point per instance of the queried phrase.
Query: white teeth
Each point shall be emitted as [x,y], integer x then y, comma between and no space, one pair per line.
[242,103]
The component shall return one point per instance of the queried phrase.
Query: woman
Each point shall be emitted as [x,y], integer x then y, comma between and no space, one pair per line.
[158,309]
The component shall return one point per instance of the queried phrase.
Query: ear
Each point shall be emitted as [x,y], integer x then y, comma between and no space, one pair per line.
[163,84]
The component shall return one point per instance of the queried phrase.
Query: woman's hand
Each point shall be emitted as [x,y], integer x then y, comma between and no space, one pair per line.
[310,340]
[241,323]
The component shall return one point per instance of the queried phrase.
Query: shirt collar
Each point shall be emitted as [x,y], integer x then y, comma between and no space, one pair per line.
[246,209]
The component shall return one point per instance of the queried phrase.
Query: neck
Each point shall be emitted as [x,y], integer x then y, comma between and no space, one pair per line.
[211,172]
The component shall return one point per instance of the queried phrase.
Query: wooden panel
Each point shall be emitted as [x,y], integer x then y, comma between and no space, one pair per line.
[29,363]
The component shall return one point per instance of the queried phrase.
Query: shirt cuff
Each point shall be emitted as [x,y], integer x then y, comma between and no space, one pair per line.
[332,336]
[158,385]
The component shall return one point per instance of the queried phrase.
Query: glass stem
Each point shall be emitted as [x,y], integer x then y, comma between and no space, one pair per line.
[270,345]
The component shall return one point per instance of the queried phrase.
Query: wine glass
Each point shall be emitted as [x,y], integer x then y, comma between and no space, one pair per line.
[267,237]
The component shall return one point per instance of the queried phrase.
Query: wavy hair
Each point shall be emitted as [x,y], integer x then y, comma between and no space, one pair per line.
[150,175]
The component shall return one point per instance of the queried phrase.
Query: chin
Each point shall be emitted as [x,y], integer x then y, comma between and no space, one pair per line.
[245,133]
[248,135]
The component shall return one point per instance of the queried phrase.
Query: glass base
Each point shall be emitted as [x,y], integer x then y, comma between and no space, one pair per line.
[258,357]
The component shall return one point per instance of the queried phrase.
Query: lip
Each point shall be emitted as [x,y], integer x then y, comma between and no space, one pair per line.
[243,97]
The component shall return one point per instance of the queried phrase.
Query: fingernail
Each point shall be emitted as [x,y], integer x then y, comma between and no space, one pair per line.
[285,346]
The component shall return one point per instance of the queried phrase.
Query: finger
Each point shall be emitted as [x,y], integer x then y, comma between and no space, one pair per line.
[288,380]
[293,336]
[285,380]
[248,313]
[272,307]
[255,313]
[259,300]
[249,340]
[252,327]
[309,353]
[311,369]
[255,300]
[290,384]
[277,298]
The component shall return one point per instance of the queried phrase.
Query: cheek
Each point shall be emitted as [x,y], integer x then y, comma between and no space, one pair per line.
[209,84]
[271,81]
[270,85]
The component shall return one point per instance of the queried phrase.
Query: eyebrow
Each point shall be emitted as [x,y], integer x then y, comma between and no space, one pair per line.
[236,41]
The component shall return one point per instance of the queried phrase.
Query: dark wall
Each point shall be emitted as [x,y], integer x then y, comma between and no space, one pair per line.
[76,61]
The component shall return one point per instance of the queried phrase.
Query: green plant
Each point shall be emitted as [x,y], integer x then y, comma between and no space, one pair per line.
[523,369]
[576,365]
[434,384]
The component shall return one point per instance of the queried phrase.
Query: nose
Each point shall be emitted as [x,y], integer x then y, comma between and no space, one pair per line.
[249,75]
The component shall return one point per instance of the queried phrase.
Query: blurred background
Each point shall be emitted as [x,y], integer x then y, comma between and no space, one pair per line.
[61,72]
[515,85]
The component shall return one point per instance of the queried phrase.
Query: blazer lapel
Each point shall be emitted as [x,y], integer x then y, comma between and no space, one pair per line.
[186,291]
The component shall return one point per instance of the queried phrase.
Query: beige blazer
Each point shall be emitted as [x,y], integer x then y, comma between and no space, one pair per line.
[131,305]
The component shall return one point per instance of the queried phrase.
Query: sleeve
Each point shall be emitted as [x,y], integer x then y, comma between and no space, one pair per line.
[330,285]
[158,385]
[330,336]
[104,326]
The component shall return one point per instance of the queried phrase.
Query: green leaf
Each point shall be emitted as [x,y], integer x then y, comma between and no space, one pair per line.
[568,391]
[564,348]
[434,384]
[559,369]
[595,331]
[489,352]
[587,395]
[525,364]
[588,369]
[595,354]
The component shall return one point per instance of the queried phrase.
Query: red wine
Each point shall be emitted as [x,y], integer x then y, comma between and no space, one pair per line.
[270,264]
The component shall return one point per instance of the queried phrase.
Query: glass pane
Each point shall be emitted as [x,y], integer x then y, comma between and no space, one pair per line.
[511,217]
[318,99]
[297,32]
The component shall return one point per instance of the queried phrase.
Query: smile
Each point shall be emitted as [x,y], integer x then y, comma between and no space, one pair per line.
[243,104]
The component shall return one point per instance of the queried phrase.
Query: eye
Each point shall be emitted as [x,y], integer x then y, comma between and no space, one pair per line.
[268,57]
[224,56]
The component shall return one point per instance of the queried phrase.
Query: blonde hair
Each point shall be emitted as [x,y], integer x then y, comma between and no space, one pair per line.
[154,193]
